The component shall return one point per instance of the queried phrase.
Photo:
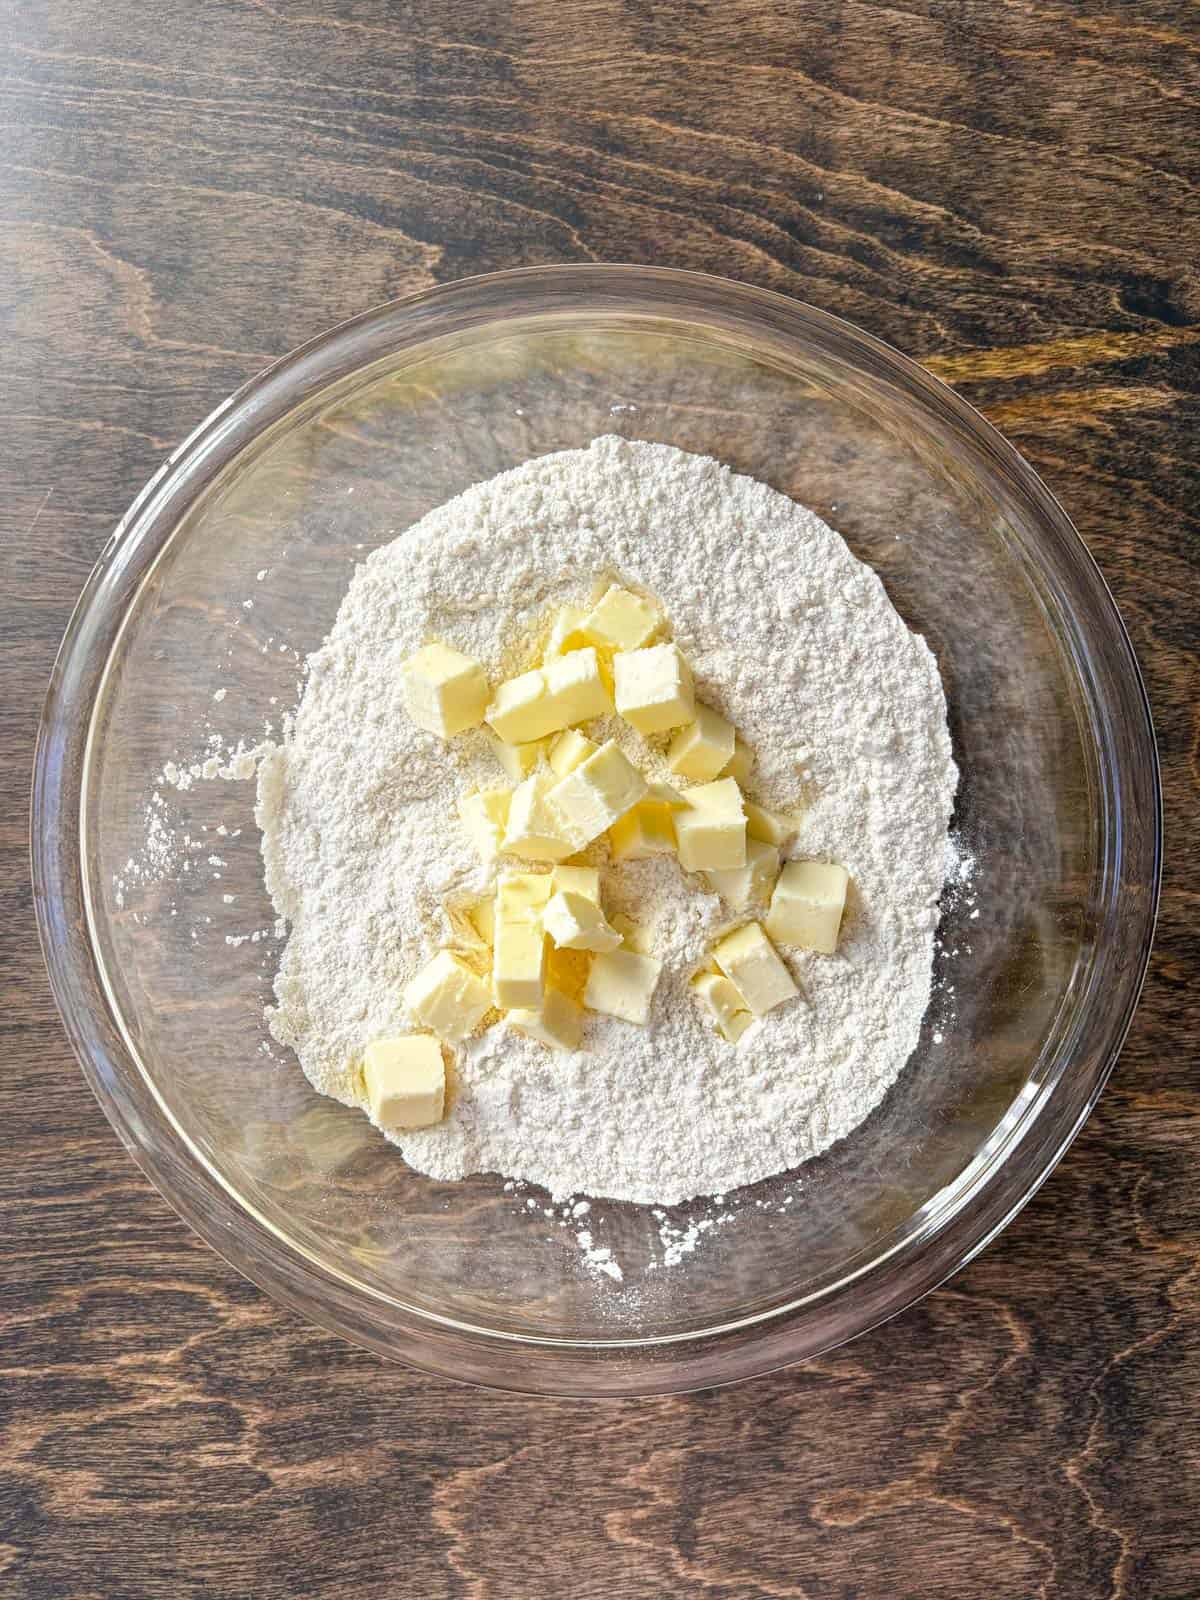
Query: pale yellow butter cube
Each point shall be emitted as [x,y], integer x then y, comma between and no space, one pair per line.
[405,1080]
[741,763]
[633,935]
[806,908]
[711,832]
[704,748]
[751,963]
[445,691]
[521,709]
[485,817]
[448,997]
[522,896]
[518,760]
[534,830]
[772,827]
[576,689]
[744,886]
[621,983]
[725,1004]
[621,620]
[590,799]
[646,830]
[564,632]
[518,965]
[557,1022]
[570,750]
[577,923]
[654,688]
[580,880]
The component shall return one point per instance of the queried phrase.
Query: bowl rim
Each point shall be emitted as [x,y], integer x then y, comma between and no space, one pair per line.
[779,1335]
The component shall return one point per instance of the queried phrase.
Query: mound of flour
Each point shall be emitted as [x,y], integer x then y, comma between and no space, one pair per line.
[790,638]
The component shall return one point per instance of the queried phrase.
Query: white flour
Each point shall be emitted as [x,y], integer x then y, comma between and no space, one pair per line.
[792,639]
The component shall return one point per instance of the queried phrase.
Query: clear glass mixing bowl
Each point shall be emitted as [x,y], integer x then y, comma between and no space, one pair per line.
[230,567]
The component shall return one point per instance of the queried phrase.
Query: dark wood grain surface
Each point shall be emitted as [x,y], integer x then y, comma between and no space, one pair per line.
[1010,192]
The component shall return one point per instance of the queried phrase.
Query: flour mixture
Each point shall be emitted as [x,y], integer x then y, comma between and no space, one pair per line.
[753,1055]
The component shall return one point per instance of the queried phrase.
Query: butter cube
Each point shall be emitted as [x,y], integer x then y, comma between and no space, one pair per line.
[570,750]
[405,1080]
[633,936]
[770,826]
[704,748]
[590,799]
[712,830]
[576,923]
[741,763]
[534,830]
[654,688]
[579,880]
[445,691]
[485,817]
[518,965]
[751,963]
[522,710]
[564,632]
[621,620]
[568,689]
[519,760]
[523,896]
[647,830]
[576,689]
[448,997]
[740,887]
[557,1022]
[806,908]
[725,1004]
[621,984]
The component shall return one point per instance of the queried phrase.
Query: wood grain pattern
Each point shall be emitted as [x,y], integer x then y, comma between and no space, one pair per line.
[1008,191]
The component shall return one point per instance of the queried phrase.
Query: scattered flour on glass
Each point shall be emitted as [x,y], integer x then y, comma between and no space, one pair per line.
[679,1241]
[959,905]
[238,765]
[172,852]
[791,638]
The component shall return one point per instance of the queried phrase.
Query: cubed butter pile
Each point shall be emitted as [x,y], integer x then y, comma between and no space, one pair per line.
[807,902]
[748,979]
[536,917]
[539,947]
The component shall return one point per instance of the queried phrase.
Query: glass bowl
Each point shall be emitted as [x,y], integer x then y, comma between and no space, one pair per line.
[230,567]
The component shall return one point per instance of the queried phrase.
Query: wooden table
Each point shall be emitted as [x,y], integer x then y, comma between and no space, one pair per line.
[1011,193]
